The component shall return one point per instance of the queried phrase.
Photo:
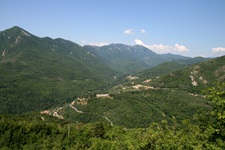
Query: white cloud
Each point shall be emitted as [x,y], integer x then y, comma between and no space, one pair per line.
[139,42]
[218,50]
[98,44]
[180,48]
[128,31]
[83,42]
[143,31]
[160,48]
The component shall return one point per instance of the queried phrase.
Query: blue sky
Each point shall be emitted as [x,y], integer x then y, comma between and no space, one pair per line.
[187,27]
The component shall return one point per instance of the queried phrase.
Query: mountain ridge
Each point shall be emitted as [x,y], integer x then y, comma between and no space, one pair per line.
[132,59]
[38,73]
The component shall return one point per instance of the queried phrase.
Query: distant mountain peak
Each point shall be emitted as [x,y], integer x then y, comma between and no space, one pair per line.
[24,32]
[15,32]
[16,28]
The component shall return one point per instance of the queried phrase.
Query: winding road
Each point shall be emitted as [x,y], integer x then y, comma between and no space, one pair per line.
[78,111]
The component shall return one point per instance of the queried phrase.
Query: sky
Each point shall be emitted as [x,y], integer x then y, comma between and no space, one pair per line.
[187,27]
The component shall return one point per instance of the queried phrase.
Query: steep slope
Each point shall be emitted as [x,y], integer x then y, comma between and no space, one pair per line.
[38,73]
[196,77]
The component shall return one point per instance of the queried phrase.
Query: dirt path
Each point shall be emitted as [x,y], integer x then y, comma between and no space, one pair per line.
[108,120]
[74,108]
[71,105]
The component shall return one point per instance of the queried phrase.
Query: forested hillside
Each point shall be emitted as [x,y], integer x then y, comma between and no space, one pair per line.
[37,131]
[195,78]
[39,73]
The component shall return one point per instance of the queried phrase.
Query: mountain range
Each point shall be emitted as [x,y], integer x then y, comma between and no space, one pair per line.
[43,74]
[132,59]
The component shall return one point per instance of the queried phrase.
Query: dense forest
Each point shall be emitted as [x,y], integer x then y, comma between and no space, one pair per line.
[35,131]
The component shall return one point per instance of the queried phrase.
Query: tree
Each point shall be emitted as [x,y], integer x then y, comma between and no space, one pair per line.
[213,123]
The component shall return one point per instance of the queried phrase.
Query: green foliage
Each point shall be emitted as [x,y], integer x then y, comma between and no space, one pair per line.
[166,136]
[21,133]
[36,131]
[213,121]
